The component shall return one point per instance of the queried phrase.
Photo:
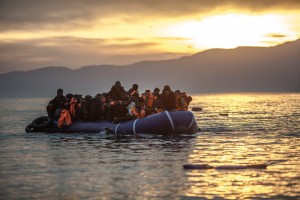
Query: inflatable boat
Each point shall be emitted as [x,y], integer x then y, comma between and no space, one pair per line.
[167,122]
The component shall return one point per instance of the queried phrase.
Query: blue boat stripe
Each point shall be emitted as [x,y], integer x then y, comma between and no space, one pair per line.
[171,121]
[116,130]
[133,128]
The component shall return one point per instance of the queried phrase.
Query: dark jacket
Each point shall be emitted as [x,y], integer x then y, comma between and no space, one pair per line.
[117,93]
[168,101]
[85,110]
[96,109]
[57,101]
[136,94]
[54,105]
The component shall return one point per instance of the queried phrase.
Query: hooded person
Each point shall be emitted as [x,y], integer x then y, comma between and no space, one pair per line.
[117,92]
[168,99]
[117,95]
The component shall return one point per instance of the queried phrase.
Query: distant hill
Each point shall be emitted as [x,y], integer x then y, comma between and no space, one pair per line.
[243,69]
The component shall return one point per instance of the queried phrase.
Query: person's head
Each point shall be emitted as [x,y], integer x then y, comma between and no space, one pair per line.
[60,92]
[156,90]
[147,91]
[135,86]
[88,97]
[104,95]
[69,96]
[98,96]
[177,92]
[167,89]
[118,84]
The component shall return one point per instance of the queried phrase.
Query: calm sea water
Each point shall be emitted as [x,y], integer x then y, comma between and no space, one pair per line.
[259,128]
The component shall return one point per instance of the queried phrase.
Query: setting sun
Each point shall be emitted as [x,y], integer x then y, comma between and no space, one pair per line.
[232,30]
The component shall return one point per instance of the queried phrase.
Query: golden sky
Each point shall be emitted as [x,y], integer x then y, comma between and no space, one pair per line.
[75,33]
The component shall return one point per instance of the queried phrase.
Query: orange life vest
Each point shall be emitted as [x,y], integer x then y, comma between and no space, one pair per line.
[151,99]
[73,102]
[65,118]
[178,106]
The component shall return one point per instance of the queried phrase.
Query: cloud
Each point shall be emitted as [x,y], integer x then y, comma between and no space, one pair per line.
[127,28]
[277,35]
[75,52]
[68,14]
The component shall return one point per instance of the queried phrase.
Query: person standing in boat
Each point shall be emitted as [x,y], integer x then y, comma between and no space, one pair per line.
[116,96]
[54,106]
[117,92]
[168,99]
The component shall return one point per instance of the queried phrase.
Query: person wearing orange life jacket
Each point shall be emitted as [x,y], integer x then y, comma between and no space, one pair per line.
[188,99]
[149,102]
[73,105]
[65,116]
[135,112]
[181,100]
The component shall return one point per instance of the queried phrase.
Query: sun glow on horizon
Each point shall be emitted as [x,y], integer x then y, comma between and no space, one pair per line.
[186,36]
[232,30]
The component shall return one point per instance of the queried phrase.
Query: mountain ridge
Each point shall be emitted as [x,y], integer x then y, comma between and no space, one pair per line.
[146,61]
[242,69]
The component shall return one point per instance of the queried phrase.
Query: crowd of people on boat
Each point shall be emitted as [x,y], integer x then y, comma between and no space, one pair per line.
[117,105]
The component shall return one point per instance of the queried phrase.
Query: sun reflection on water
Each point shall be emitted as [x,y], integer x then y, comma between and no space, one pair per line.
[249,134]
